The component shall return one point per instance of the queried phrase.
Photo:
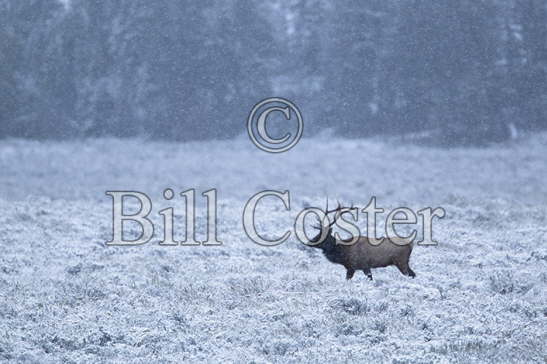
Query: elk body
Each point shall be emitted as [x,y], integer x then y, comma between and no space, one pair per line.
[362,255]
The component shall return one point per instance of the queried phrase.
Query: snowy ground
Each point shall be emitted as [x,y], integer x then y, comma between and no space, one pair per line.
[479,296]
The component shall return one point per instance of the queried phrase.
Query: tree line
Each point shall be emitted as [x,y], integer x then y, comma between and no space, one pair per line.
[462,71]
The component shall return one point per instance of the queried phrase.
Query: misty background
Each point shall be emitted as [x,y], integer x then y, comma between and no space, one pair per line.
[415,103]
[457,72]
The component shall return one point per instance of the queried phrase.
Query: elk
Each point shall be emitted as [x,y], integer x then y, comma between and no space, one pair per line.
[361,255]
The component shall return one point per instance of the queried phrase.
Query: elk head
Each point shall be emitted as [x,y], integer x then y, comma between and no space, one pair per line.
[325,239]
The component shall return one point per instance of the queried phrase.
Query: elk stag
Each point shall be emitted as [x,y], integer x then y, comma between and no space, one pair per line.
[361,254]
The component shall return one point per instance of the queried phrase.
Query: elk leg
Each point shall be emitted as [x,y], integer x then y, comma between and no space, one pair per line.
[411,273]
[403,268]
[368,273]
[349,273]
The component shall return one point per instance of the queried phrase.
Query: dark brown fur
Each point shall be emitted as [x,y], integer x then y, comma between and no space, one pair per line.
[362,255]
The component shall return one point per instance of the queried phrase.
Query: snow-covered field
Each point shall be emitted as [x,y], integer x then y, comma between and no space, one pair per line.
[479,296]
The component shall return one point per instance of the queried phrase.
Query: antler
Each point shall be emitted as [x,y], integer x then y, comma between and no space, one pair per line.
[338,211]
[327,211]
